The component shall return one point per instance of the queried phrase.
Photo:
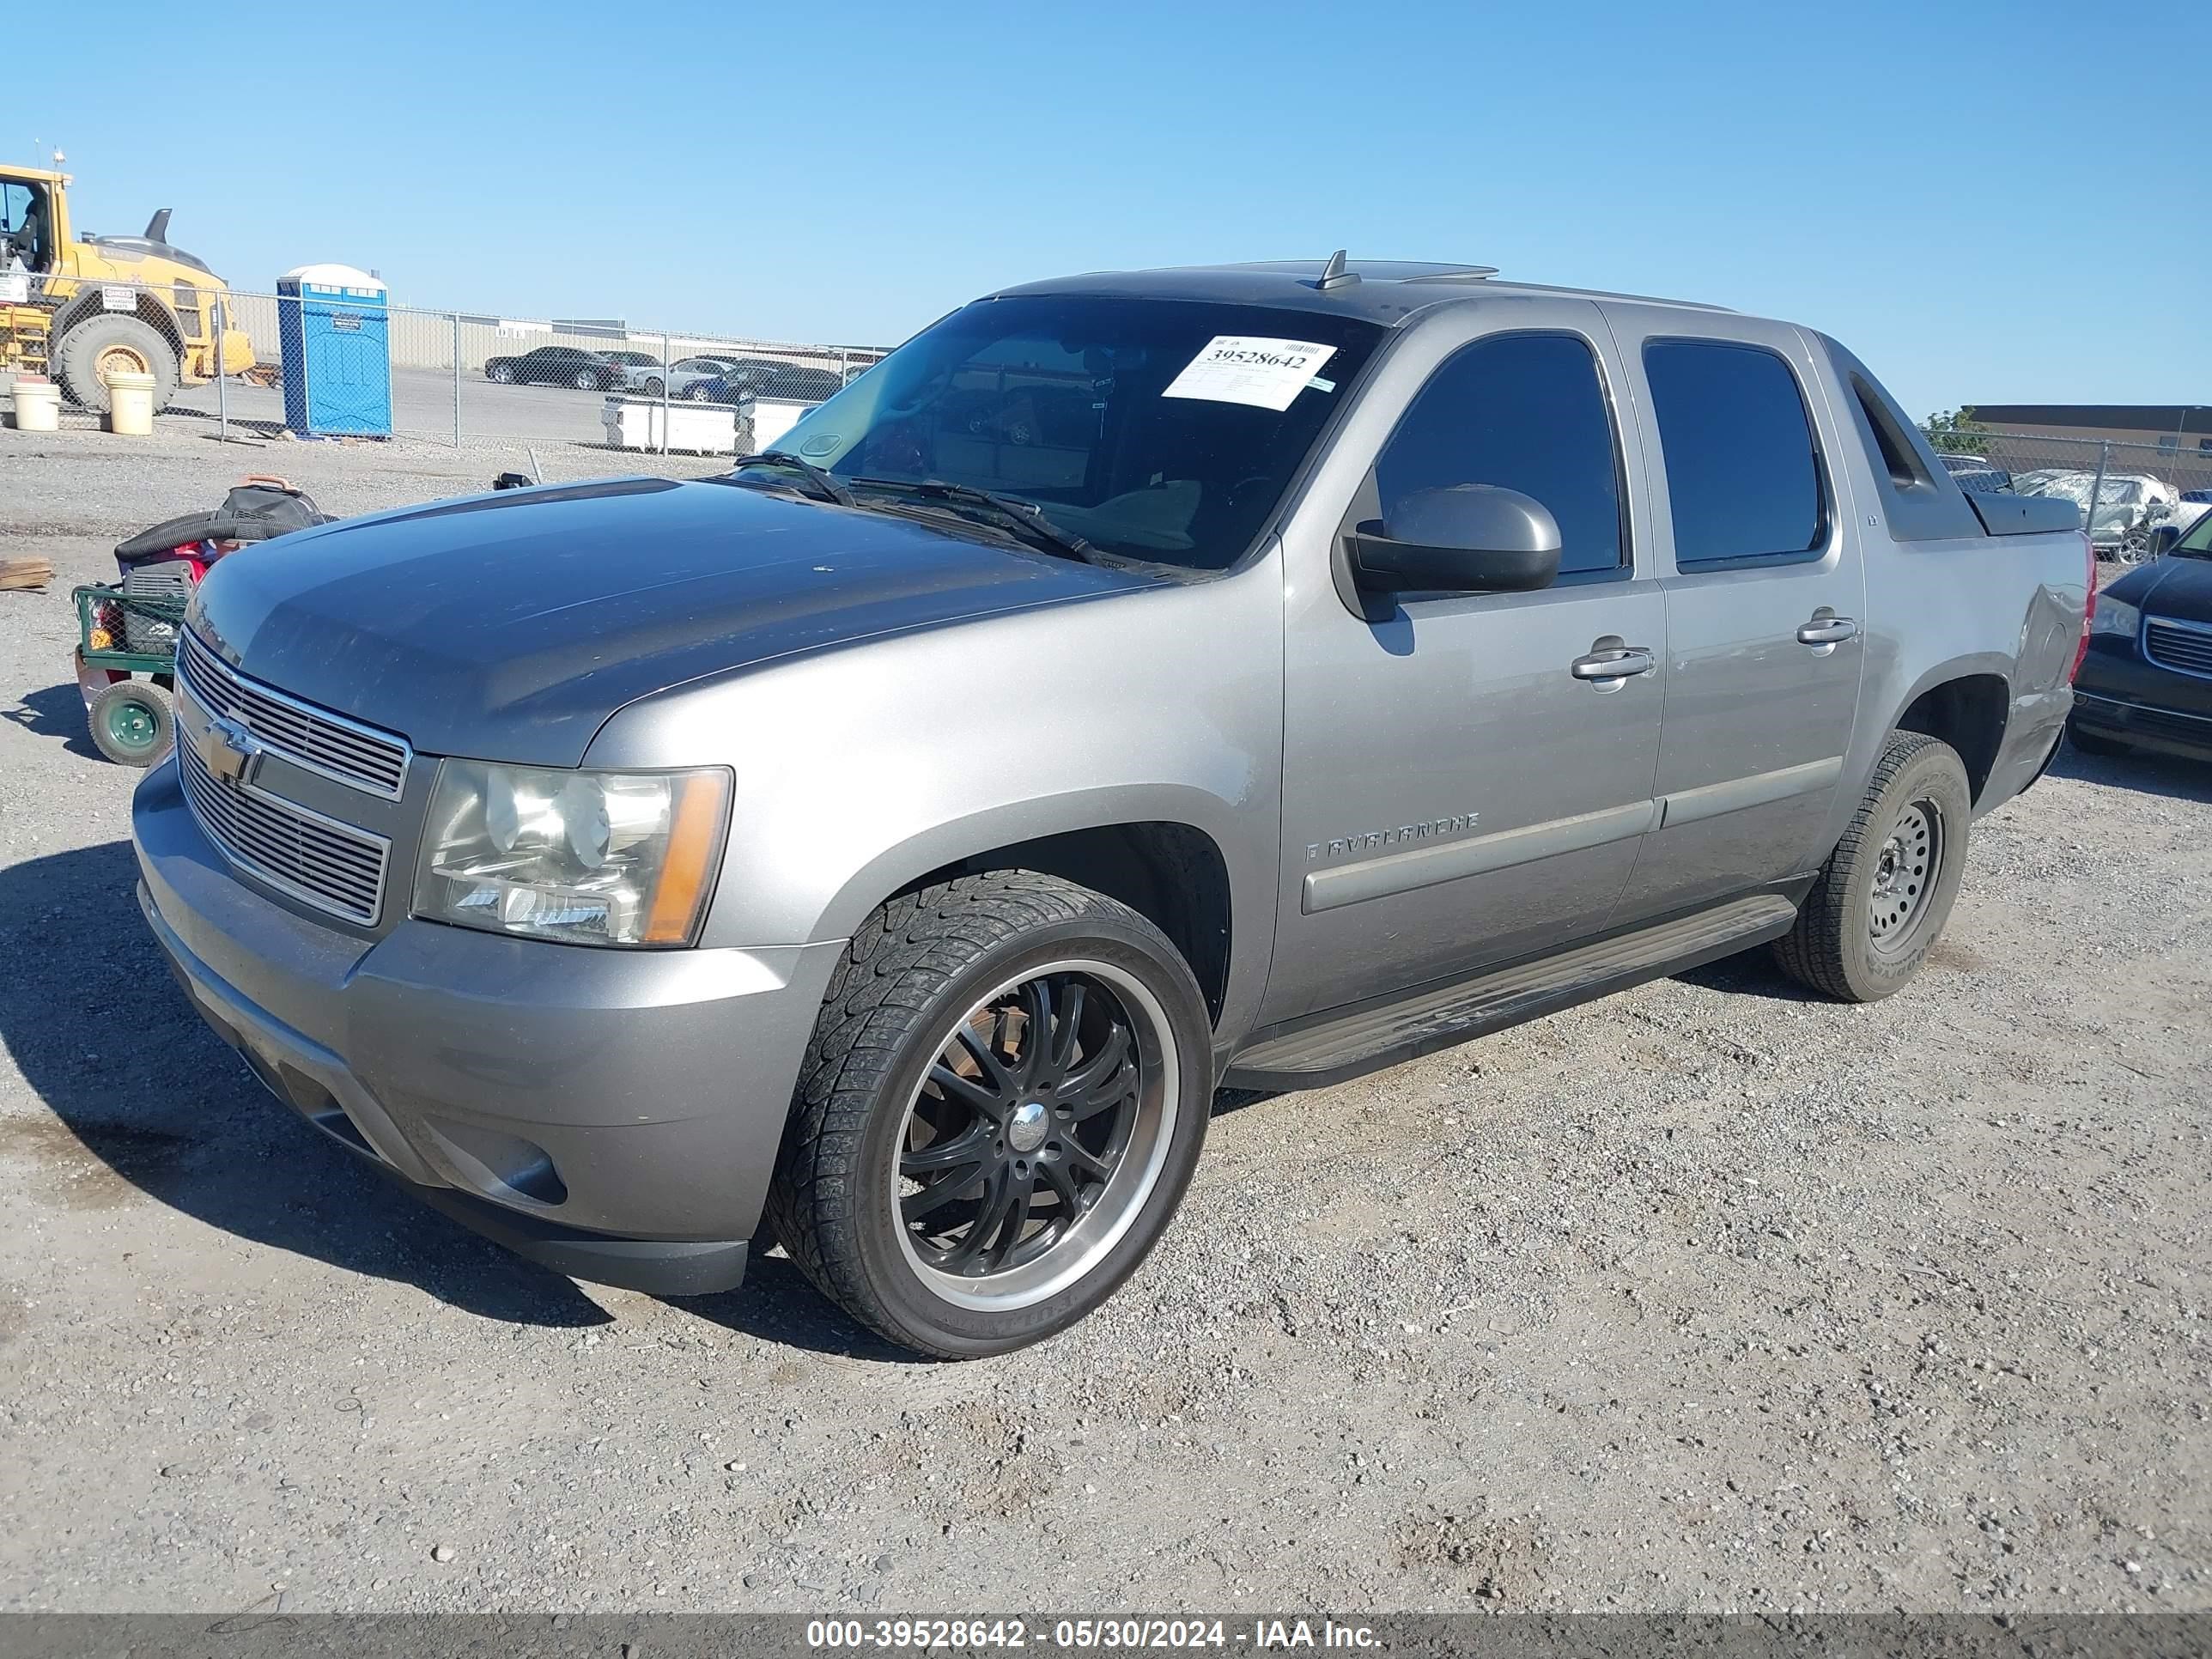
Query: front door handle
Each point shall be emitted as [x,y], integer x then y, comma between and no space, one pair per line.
[1610,664]
[1828,630]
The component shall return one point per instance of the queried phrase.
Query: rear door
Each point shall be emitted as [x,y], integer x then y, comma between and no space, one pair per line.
[1765,599]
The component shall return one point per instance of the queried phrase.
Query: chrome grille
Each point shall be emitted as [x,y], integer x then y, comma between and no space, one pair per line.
[2183,646]
[319,861]
[339,748]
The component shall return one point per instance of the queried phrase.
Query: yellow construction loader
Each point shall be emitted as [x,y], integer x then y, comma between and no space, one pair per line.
[80,308]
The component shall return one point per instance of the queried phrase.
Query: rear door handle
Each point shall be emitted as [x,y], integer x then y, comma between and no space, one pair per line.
[1613,665]
[1828,630]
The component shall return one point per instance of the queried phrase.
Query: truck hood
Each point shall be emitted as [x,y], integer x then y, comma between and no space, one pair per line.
[510,626]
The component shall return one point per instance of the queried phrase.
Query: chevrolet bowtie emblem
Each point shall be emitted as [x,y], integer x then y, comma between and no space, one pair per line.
[228,750]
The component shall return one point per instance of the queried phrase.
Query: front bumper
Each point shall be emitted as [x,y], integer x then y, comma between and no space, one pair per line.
[2169,730]
[612,1115]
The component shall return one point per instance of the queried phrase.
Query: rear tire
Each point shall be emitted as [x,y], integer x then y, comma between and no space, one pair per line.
[654,386]
[112,340]
[1880,903]
[132,723]
[922,1082]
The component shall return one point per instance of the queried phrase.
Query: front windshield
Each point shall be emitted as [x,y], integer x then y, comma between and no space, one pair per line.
[1164,430]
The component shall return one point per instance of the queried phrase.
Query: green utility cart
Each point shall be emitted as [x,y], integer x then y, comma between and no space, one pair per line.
[127,667]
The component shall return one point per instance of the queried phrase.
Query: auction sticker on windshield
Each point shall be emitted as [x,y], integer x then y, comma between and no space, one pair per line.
[1246,368]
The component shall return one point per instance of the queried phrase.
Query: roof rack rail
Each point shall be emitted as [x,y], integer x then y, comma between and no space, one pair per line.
[1463,273]
[1335,274]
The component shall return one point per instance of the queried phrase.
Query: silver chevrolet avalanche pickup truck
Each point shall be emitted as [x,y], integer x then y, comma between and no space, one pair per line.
[1135,684]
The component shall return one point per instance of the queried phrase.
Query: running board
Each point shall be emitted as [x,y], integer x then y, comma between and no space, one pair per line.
[1376,1034]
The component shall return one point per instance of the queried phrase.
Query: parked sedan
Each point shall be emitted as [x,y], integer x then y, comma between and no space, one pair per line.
[795,383]
[680,378]
[742,377]
[587,371]
[2146,680]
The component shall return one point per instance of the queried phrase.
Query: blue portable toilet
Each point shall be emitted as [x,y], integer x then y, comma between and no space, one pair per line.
[336,345]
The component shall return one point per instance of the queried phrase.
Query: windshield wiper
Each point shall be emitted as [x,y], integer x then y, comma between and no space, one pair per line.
[1025,519]
[822,487]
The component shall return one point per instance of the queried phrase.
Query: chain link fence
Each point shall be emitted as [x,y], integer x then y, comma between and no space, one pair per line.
[454,376]
[2127,491]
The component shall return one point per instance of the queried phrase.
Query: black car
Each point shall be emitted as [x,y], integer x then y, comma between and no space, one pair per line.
[2146,680]
[793,382]
[587,371]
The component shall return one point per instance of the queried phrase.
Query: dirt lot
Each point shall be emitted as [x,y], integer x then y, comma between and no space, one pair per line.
[1708,1295]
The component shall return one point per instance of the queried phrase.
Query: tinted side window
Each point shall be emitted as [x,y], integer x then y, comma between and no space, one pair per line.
[1525,411]
[1742,470]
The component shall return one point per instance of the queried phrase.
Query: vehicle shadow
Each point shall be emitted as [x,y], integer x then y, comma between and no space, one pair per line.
[145,1099]
[58,711]
[2144,771]
[1750,973]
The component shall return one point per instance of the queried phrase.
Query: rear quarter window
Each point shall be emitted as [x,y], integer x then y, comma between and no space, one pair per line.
[1744,478]
[1920,500]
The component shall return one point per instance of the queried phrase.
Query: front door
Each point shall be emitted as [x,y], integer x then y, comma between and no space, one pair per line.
[1763,613]
[1456,791]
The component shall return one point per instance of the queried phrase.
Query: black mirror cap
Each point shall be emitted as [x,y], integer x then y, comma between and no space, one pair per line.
[1468,539]
[2163,538]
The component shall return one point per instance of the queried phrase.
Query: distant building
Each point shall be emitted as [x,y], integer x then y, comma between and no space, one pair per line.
[2177,429]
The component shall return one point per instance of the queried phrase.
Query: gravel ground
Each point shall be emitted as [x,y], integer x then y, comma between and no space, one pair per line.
[1705,1296]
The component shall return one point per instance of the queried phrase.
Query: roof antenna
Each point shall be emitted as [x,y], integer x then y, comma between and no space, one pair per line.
[1334,275]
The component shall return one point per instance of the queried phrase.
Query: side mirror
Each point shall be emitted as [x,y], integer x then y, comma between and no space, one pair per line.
[1468,538]
[2163,538]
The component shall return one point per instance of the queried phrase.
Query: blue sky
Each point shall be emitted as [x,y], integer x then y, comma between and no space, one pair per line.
[1980,198]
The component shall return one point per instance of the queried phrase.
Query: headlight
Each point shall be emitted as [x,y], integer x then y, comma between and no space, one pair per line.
[593,858]
[2116,616]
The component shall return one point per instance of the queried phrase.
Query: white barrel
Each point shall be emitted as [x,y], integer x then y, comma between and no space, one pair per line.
[130,402]
[37,405]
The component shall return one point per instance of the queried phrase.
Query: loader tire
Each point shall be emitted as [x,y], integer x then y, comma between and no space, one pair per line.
[107,341]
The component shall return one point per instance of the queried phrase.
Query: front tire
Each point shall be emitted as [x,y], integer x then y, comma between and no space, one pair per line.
[1880,903]
[1001,1109]
[501,374]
